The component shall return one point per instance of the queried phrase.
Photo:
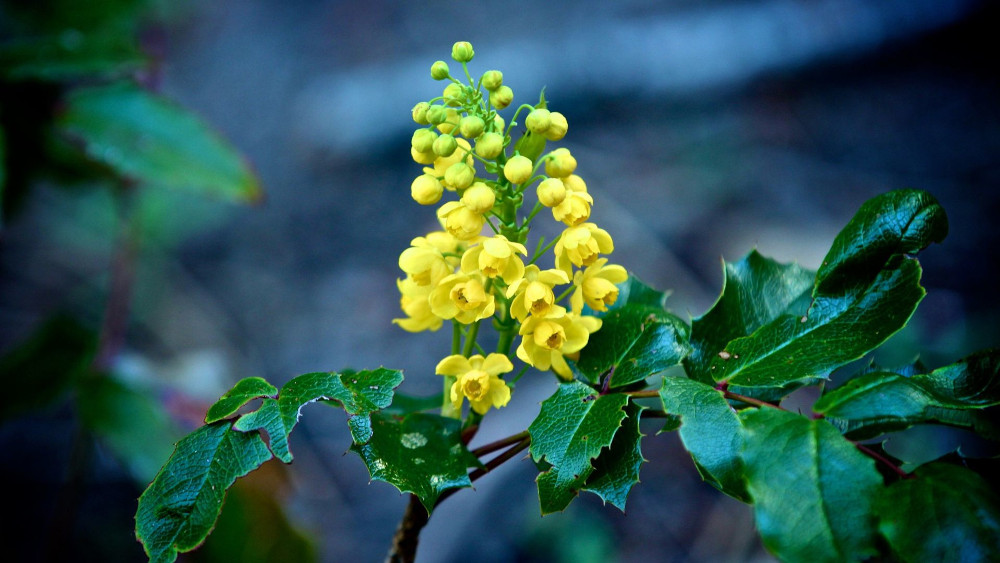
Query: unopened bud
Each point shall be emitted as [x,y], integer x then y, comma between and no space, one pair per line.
[453,95]
[538,121]
[439,70]
[551,192]
[560,163]
[423,140]
[459,176]
[518,169]
[501,97]
[450,121]
[462,51]
[557,126]
[444,145]
[471,126]
[426,189]
[422,157]
[479,198]
[419,113]
[489,145]
[492,79]
[436,115]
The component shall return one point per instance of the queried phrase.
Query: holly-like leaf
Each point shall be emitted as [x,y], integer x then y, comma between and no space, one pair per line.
[812,489]
[756,291]
[616,470]
[360,394]
[149,140]
[636,341]
[875,403]
[572,427]
[421,454]
[181,505]
[710,430]
[245,390]
[897,222]
[43,368]
[947,513]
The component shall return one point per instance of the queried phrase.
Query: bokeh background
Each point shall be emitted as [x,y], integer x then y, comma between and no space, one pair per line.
[703,130]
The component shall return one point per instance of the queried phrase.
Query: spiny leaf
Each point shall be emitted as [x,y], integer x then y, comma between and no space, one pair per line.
[947,513]
[245,390]
[421,454]
[633,291]
[572,427]
[710,430]
[756,291]
[812,489]
[897,222]
[875,403]
[636,341]
[180,507]
[616,469]
[149,140]
[360,394]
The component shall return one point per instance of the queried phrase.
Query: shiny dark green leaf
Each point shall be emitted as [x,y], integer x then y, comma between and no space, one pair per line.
[616,469]
[245,390]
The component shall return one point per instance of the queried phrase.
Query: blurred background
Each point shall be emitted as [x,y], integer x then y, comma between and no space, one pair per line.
[702,129]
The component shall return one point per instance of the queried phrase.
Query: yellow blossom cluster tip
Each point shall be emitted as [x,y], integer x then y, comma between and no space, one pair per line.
[478,267]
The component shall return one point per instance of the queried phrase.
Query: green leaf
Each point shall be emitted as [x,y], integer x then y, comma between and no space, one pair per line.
[135,427]
[149,140]
[710,430]
[572,427]
[898,222]
[360,394]
[947,513]
[875,403]
[756,291]
[70,55]
[812,489]
[835,331]
[406,404]
[421,454]
[181,505]
[616,469]
[245,390]
[43,368]
[633,291]
[636,341]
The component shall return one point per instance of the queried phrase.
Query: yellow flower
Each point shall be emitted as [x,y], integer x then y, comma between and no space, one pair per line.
[495,256]
[596,287]
[415,304]
[581,245]
[477,379]
[443,163]
[575,205]
[479,198]
[425,262]
[533,293]
[518,169]
[460,221]
[462,297]
[546,340]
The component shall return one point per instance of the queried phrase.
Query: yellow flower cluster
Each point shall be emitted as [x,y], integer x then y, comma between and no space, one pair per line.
[478,266]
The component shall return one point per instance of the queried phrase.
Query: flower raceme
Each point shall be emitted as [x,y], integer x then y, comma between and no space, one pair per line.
[479,268]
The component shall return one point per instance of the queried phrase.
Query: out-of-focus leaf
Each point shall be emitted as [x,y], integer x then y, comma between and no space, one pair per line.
[42,369]
[421,454]
[947,513]
[569,432]
[245,390]
[70,54]
[152,141]
[181,505]
[710,430]
[756,291]
[360,393]
[636,341]
[812,489]
[134,426]
[616,469]
[875,403]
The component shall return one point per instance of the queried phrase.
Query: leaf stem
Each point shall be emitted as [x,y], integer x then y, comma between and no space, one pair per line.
[499,444]
[884,460]
[749,400]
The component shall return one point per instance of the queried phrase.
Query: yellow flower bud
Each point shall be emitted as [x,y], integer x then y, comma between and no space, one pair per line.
[426,189]
[471,126]
[501,97]
[518,169]
[439,70]
[459,176]
[423,140]
[538,121]
[453,94]
[436,114]
[444,145]
[419,113]
[551,192]
[560,163]
[498,123]
[557,126]
[492,79]
[462,51]
[450,121]
[479,198]
[489,145]
[422,157]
